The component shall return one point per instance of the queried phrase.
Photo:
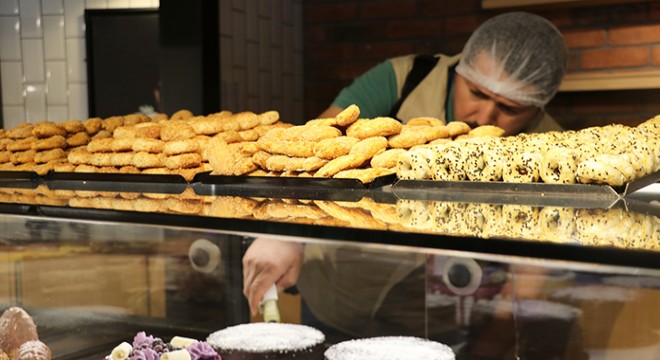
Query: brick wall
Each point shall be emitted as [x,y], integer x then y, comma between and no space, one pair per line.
[345,38]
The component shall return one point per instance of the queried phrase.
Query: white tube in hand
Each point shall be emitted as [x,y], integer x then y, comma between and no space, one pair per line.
[268,305]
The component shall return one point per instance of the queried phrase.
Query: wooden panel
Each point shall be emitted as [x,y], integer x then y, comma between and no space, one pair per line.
[7,284]
[620,80]
[496,4]
[107,283]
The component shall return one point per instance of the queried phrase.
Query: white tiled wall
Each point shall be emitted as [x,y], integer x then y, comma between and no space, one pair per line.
[42,57]
[261,56]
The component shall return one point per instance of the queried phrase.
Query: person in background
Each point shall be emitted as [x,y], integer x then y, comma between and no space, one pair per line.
[510,68]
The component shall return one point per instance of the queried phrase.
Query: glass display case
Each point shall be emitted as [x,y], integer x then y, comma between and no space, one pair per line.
[532,273]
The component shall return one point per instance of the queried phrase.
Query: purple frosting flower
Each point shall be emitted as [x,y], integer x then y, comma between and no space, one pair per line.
[142,338]
[202,351]
[144,354]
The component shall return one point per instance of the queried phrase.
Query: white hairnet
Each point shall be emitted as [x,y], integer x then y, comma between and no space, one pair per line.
[518,55]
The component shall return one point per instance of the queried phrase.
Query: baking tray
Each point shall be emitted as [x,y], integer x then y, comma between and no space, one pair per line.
[19,179]
[147,183]
[288,187]
[536,194]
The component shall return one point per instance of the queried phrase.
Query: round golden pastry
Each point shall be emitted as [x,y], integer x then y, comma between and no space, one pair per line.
[73,126]
[112,123]
[456,128]
[336,165]
[129,169]
[313,163]
[122,159]
[248,135]
[486,130]
[78,139]
[100,145]
[559,166]
[367,148]
[386,159]
[183,161]
[380,126]
[21,131]
[53,142]
[334,147]
[47,129]
[227,159]
[21,157]
[364,175]
[212,125]
[93,125]
[103,134]
[85,168]
[5,156]
[189,173]
[101,159]
[322,122]
[261,158]
[287,147]
[49,155]
[144,160]
[249,148]
[309,133]
[263,129]
[181,147]
[147,145]
[122,144]
[79,155]
[124,132]
[147,130]
[425,121]
[232,207]
[246,120]
[182,114]
[355,217]
[133,119]
[284,163]
[22,144]
[176,130]
[4,142]
[230,136]
[269,117]
[348,115]
[279,210]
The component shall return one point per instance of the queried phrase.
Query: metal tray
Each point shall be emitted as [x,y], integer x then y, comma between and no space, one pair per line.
[288,187]
[19,179]
[148,183]
[536,194]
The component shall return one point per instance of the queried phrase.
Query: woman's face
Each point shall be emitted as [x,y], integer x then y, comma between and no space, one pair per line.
[477,105]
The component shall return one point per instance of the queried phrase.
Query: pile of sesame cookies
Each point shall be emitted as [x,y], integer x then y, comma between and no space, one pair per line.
[612,155]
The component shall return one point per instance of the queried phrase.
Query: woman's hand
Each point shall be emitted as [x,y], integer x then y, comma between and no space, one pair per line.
[268,262]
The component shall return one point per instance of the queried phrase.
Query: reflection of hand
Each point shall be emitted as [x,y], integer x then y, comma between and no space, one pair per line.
[269,262]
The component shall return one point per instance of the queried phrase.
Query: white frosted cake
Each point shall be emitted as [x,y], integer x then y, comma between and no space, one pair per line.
[271,341]
[391,348]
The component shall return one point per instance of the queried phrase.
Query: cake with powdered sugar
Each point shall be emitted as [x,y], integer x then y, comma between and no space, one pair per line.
[391,348]
[272,341]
